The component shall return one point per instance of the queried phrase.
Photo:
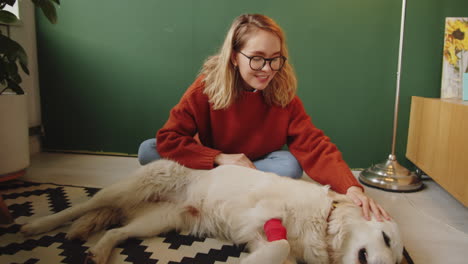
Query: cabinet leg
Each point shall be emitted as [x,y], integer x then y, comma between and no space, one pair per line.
[419,172]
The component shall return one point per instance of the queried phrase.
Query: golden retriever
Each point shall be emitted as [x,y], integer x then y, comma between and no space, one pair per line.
[233,203]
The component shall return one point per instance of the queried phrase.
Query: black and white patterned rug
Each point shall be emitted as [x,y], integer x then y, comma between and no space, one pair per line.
[27,200]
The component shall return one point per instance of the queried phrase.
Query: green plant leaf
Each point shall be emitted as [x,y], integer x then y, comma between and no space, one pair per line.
[22,58]
[11,52]
[48,9]
[7,17]
[14,51]
[24,64]
[15,87]
[3,72]
[6,44]
[12,72]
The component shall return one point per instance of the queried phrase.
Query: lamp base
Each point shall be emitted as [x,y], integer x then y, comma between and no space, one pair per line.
[391,176]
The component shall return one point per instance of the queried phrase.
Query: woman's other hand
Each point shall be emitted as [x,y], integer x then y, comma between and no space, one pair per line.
[234,159]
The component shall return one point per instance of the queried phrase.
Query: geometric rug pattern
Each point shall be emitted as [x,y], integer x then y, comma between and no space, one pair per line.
[28,200]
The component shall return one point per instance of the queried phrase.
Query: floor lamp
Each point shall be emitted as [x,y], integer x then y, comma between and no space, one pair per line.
[390,175]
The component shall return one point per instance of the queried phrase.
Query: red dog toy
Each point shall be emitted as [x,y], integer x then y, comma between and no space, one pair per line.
[274,230]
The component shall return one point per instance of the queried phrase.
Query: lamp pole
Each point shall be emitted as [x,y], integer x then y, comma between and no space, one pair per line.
[390,175]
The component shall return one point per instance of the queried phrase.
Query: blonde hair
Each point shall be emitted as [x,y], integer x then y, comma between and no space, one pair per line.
[221,77]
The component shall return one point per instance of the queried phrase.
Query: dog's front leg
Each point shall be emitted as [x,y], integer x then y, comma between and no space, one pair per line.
[275,252]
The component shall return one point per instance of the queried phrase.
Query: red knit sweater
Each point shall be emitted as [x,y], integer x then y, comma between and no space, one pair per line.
[252,127]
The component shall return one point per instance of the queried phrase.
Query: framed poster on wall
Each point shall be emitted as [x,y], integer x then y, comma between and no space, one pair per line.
[455,58]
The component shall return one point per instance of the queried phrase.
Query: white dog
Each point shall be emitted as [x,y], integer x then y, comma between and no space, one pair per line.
[233,203]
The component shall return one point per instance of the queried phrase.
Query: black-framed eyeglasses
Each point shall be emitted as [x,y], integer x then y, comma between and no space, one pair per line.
[258,62]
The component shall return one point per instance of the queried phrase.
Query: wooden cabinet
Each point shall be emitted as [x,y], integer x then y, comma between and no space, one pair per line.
[438,142]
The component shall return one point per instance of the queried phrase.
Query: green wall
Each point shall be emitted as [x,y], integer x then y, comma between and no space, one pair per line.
[111,70]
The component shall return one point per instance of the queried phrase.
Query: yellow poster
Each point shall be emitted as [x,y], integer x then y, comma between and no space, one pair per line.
[455,59]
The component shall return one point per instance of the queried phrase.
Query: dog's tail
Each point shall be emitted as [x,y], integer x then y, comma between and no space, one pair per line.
[94,221]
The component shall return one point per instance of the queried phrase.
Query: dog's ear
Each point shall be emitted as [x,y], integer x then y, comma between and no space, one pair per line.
[338,228]
[337,234]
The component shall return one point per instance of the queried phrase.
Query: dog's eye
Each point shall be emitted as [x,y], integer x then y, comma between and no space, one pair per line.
[386,239]
[362,256]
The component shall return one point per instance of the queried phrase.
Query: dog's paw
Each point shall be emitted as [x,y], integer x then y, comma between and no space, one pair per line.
[275,252]
[30,229]
[279,249]
[90,258]
[38,226]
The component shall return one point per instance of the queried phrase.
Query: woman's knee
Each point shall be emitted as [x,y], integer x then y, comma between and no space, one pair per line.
[281,162]
[290,165]
[147,151]
[295,172]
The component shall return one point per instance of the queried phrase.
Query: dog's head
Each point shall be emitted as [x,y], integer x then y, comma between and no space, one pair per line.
[353,239]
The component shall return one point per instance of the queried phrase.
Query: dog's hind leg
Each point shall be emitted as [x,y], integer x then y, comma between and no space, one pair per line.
[147,184]
[94,221]
[112,196]
[50,222]
[148,221]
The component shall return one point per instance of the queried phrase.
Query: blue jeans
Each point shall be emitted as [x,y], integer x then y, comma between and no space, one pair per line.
[281,162]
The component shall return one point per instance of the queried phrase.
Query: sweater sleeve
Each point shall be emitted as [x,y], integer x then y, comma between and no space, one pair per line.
[319,158]
[175,140]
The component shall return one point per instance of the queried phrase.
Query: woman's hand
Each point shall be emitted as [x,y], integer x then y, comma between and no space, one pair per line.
[368,204]
[234,159]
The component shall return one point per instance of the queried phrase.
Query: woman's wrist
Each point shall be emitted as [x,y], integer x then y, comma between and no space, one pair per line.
[234,159]
[354,189]
[218,160]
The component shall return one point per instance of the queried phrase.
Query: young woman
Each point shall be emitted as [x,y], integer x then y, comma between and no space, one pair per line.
[242,109]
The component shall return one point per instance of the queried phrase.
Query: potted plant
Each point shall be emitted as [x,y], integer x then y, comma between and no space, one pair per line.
[14,139]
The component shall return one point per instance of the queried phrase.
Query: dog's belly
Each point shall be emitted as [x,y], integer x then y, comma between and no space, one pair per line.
[213,220]
[224,202]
